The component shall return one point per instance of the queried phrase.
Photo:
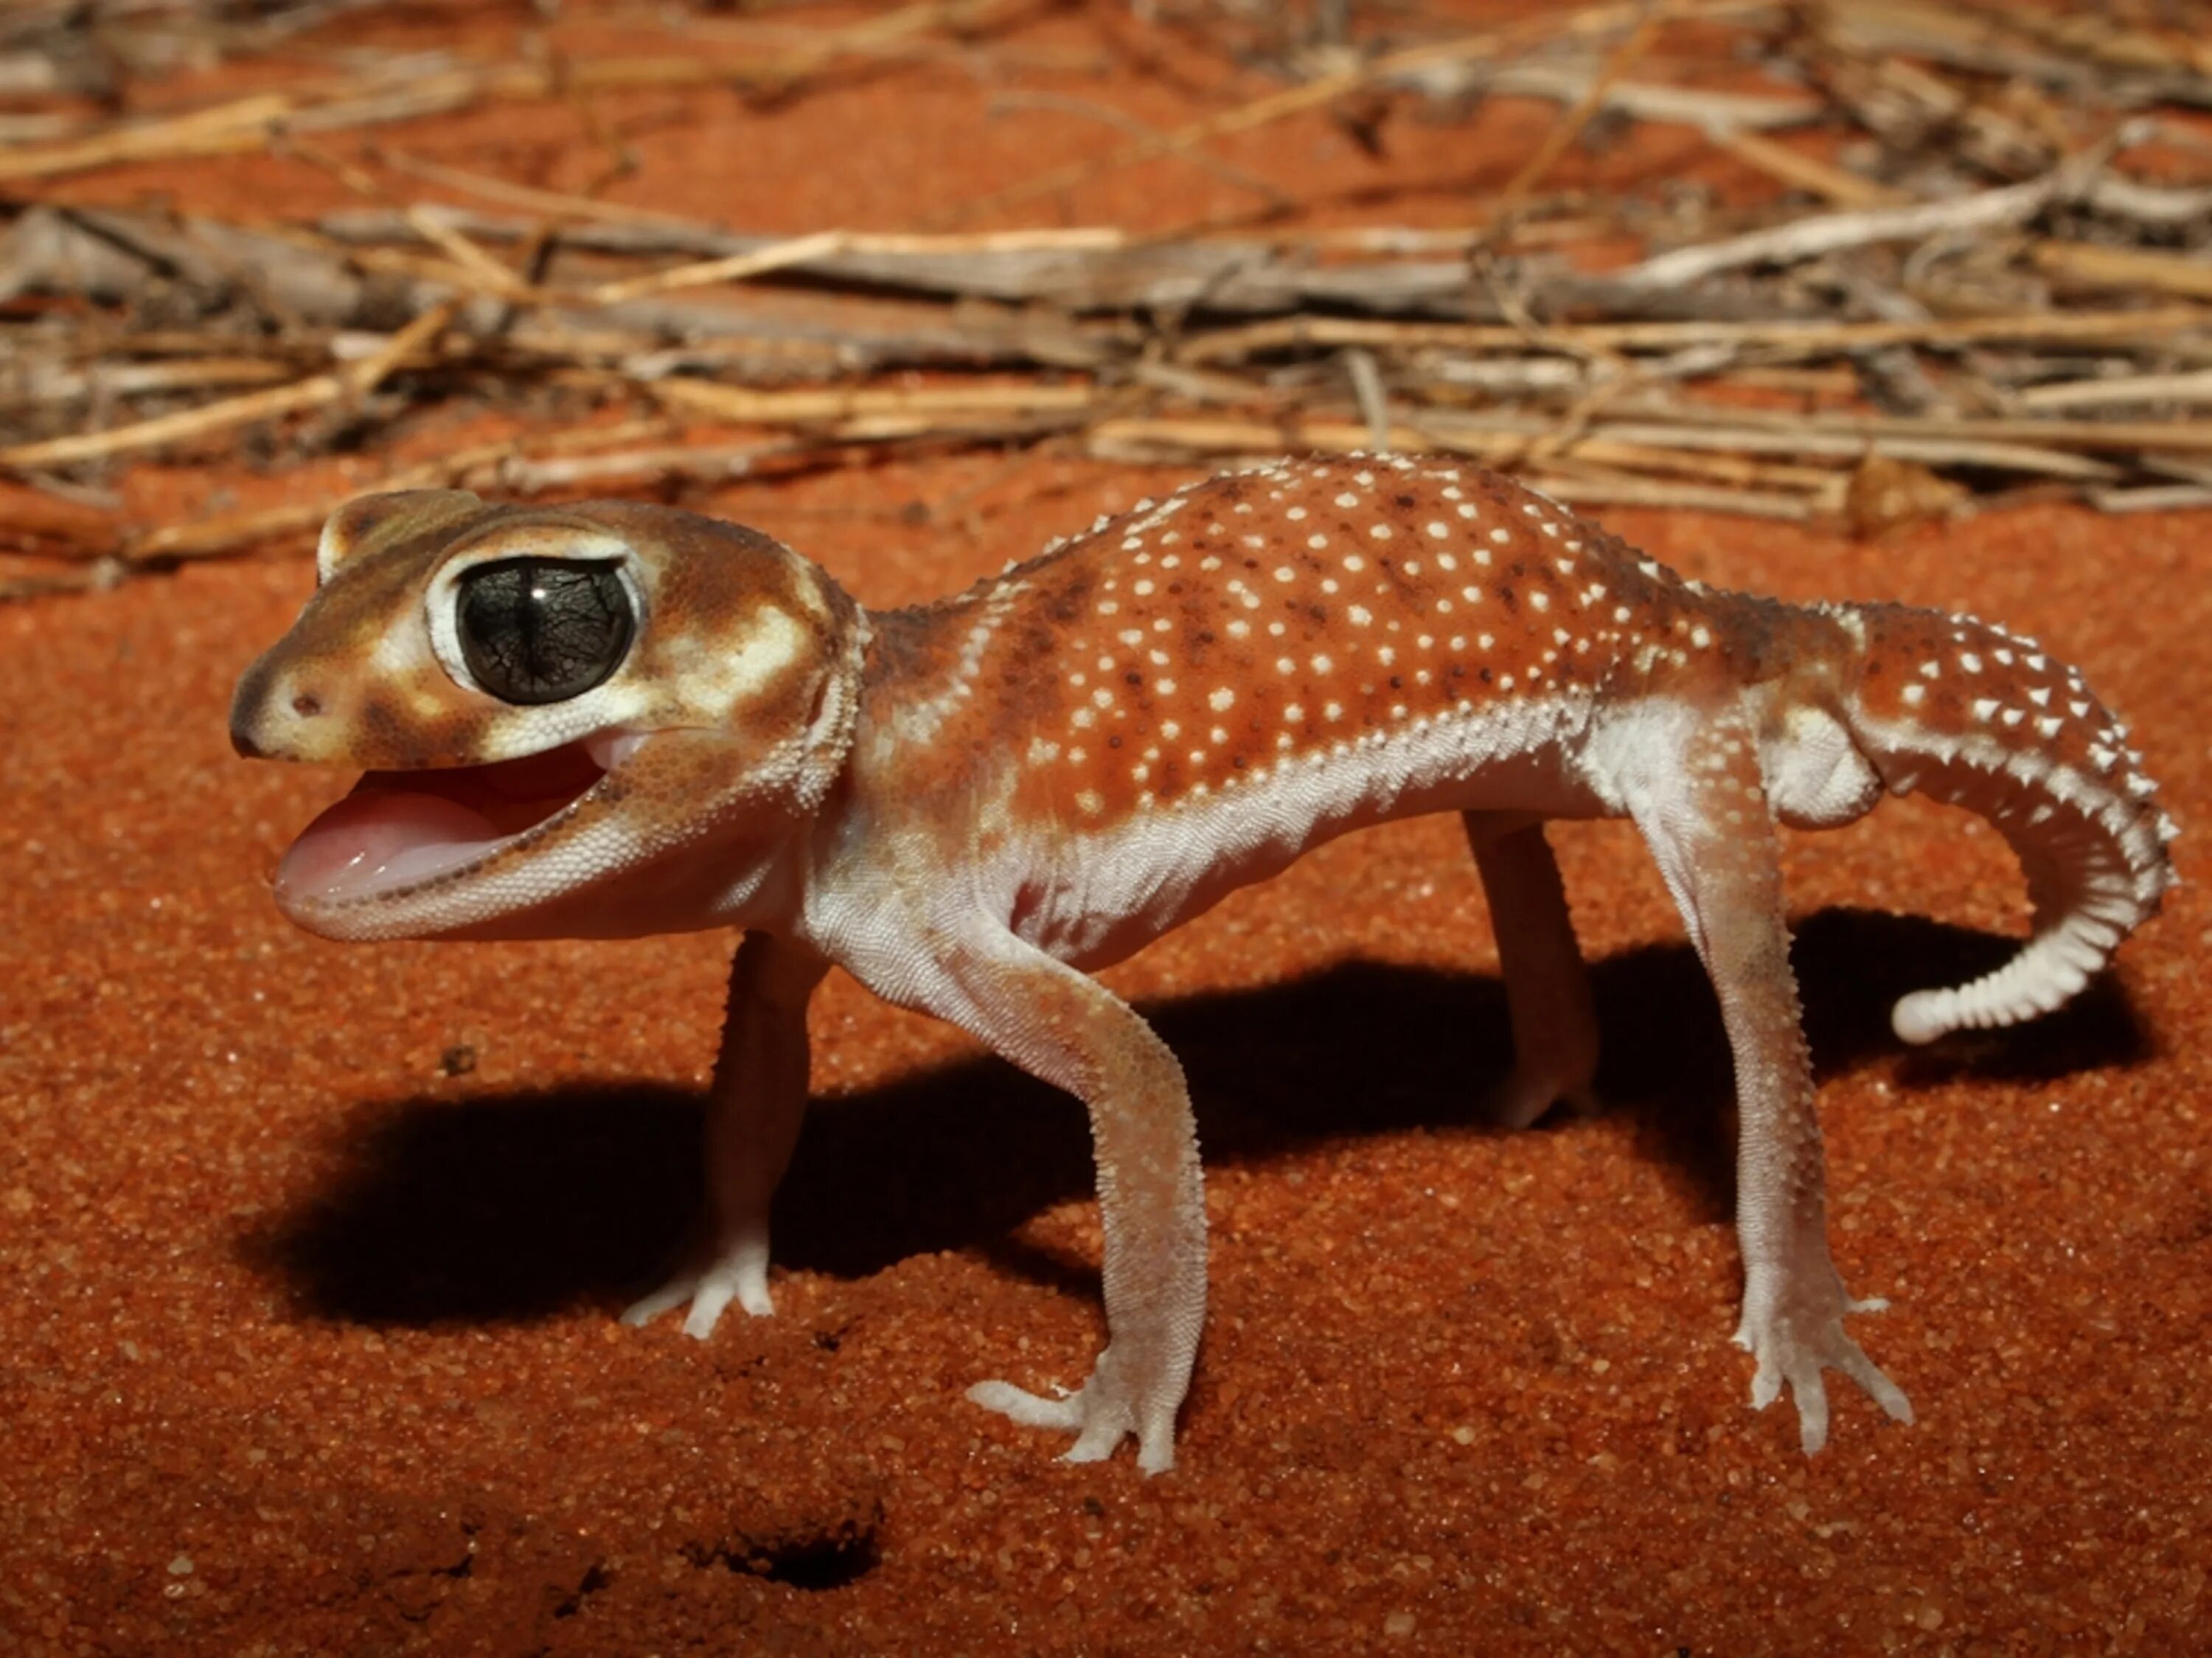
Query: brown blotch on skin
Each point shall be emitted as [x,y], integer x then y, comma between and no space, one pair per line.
[1066,603]
[382,722]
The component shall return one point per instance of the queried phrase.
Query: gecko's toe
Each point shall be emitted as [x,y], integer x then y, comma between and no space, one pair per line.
[1885,1393]
[1018,1405]
[1811,1395]
[708,1301]
[647,1308]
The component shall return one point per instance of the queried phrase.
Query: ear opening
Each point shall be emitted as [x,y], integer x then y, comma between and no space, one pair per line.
[370,521]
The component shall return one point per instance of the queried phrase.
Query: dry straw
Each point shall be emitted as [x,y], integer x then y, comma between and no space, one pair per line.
[1975,264]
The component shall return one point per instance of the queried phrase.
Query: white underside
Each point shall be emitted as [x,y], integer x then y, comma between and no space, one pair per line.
[1093,897]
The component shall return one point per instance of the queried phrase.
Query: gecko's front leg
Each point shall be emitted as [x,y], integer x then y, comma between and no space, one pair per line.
[1066,1029]
[1705,812]
[754,1109]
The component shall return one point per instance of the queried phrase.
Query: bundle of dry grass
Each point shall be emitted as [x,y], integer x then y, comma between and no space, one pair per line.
[1979,277]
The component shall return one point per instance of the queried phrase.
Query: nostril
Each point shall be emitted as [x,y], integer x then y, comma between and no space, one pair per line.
[306,706]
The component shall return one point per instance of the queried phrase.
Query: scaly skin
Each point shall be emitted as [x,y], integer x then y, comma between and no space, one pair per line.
[971,806]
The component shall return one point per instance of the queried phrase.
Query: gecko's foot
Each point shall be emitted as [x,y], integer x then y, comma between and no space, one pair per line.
[1523,1096]
[1100,1414]
[739,1275]
[1795,1348]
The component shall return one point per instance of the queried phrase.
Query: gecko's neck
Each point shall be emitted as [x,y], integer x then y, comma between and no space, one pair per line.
[919,665]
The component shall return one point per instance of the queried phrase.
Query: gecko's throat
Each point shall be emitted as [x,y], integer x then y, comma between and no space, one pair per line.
[399,830]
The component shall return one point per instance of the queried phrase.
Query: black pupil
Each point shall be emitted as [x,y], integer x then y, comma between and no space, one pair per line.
[542,630]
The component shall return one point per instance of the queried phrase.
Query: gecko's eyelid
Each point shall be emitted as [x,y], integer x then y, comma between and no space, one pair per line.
[535,630]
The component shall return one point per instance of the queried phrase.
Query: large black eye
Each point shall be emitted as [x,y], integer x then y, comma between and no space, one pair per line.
[542,630]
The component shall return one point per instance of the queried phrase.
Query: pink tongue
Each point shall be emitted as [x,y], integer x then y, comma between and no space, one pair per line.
[380,839]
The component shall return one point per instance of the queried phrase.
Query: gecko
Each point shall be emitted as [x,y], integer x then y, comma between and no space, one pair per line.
[613,719]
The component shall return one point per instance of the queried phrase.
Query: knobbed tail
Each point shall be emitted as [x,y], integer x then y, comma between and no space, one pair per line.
[1976,716]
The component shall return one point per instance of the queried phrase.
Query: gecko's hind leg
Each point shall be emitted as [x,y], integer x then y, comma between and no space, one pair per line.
[1704,810]
[1548,993]
[754,1109]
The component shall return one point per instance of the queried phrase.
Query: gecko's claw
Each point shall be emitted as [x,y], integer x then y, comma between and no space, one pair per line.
[739,1276]
[1796,1350]
[1099,1414]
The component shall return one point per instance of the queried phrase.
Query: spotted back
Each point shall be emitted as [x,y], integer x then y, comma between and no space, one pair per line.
[1192,646]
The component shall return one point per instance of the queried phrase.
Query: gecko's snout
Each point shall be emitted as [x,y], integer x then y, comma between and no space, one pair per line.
[268,714]
[245,705]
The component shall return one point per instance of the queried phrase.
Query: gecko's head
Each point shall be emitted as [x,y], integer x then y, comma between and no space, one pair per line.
[556,710]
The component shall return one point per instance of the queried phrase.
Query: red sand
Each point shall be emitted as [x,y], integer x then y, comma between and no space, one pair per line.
[309,1255]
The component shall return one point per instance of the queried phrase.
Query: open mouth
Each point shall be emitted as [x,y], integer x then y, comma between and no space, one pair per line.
[398,830]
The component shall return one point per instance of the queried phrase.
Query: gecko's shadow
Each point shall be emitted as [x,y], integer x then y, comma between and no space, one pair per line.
[511,1206]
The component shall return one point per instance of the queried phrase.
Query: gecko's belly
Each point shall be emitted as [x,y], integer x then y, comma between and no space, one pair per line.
[1093,896]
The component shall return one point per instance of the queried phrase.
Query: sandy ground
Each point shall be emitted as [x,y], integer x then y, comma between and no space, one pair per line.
[309,1255]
